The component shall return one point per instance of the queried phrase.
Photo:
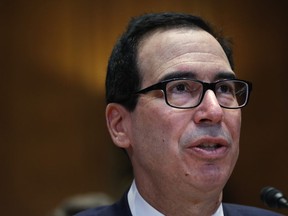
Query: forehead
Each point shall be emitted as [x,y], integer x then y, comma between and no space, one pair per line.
[181,50]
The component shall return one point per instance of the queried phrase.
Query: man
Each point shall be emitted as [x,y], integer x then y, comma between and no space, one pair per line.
[174,105]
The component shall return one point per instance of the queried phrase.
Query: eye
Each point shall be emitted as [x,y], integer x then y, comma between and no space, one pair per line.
[226,88]
[179,87]
[189,88]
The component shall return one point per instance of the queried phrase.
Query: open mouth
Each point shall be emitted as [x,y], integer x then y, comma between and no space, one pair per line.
[209,146]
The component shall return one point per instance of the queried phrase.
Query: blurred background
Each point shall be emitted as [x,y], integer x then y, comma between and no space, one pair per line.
[53,138]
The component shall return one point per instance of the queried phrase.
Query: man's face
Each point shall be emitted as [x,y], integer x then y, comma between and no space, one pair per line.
[183,151]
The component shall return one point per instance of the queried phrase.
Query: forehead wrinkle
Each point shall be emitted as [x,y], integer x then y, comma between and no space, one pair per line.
[199,54]
[201,44]
[188,62]
[144,46]
[159,53]
[188,68]
[196,57]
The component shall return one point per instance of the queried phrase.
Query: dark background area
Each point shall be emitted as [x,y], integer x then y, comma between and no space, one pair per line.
[53,138]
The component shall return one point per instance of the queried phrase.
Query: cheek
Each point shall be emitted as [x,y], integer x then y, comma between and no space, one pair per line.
[233,123]
[156,131]
[155,126]
[234,127]
[155,116]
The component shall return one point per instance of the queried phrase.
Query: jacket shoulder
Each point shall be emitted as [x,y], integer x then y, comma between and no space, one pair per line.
[120,208]
[103,210]
[242,210]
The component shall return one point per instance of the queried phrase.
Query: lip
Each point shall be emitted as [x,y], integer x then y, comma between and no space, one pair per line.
[209,148]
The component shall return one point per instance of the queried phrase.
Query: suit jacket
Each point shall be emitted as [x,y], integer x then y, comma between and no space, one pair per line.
[121,208]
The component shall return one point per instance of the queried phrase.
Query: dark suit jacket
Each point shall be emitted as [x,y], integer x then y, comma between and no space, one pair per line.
[121,208]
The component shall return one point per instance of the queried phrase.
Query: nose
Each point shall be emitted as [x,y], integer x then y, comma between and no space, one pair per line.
[209,111]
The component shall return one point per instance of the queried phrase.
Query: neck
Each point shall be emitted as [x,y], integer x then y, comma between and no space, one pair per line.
[173,202]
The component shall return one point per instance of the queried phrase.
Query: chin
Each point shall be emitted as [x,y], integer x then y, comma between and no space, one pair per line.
[213,176]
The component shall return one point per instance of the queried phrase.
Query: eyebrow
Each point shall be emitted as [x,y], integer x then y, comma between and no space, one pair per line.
[192,75]
[225,75]
[179,74]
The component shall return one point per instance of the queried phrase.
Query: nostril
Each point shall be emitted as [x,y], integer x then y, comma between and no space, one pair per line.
[206,113]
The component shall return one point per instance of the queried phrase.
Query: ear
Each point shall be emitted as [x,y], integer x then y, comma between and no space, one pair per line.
[118,122]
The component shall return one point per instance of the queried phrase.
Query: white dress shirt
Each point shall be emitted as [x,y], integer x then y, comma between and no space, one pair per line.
[139,207]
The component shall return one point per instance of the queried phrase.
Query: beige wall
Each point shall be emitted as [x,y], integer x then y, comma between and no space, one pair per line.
[54,142]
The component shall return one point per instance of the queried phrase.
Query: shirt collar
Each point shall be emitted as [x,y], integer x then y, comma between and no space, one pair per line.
[139,207]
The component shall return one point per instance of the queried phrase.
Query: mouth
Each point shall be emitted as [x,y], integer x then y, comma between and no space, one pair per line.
[209,148]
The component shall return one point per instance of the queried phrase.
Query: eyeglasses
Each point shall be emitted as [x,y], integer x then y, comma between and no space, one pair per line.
[185,93]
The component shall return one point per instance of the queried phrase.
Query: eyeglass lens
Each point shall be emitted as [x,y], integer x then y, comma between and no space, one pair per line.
[189,93]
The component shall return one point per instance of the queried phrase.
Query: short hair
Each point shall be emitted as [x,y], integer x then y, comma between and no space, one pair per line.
[123,77]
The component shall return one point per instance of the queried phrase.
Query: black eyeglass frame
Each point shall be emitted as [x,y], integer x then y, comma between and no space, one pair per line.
[206,86]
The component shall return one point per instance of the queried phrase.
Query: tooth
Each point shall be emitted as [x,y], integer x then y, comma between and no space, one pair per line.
[209,146]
